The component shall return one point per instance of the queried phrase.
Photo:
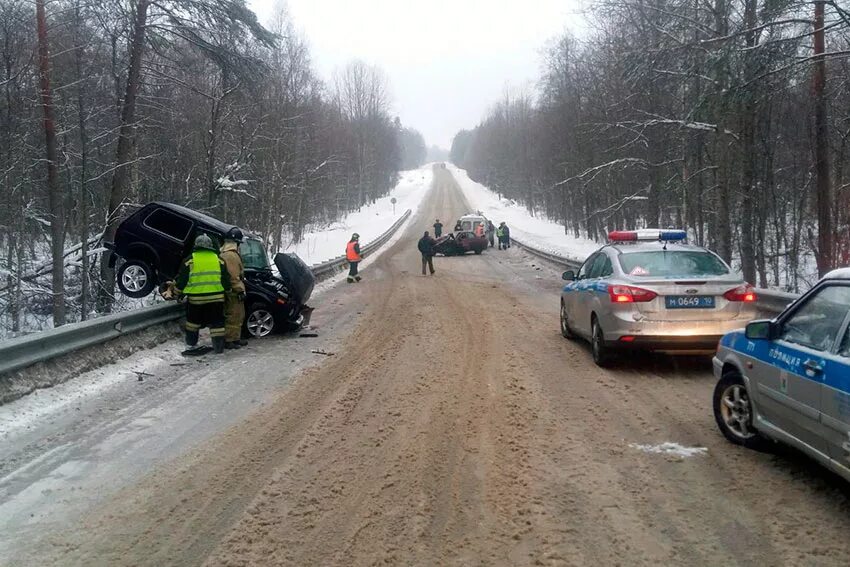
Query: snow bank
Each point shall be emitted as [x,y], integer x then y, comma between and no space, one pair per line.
[534,231]
[328,242]
[669,448]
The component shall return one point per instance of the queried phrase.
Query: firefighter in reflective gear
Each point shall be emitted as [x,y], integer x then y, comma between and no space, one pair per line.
[352,254]
[234,300]
[203,279]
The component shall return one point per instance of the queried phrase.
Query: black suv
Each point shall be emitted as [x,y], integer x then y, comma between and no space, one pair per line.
[155,239]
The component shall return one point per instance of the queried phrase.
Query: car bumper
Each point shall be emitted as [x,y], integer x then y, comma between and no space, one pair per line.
[663,335]
[717,365]
[667,343]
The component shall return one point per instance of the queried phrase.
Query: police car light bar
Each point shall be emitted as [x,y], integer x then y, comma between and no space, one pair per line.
[649,234]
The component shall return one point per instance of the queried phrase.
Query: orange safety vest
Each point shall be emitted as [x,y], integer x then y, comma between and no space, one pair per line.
[350,254]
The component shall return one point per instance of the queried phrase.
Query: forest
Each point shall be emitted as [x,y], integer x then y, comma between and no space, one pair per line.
[728,117]
[107,105]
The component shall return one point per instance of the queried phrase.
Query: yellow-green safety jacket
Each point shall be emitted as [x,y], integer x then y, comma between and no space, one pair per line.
[203,277]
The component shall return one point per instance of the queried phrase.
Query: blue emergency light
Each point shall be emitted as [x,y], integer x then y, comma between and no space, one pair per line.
[647,235]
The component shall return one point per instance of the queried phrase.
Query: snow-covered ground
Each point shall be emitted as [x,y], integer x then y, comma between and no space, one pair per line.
[534,231]
[328,242]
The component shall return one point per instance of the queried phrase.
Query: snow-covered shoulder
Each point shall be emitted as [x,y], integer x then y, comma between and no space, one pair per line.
[538,232]
[324,243]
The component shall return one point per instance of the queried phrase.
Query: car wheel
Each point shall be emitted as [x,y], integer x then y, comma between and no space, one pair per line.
[601,353]
[733,411]
[477,252]
[260,320]
[565,324]
[135,278]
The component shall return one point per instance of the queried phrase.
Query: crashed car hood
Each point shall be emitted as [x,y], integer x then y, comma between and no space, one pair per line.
[297,276]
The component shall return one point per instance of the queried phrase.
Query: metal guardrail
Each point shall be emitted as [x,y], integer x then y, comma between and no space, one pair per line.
[39,347]
[769,301]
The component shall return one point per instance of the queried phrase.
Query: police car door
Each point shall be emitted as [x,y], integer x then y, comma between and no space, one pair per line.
[791,373]
[587,297]
[576,306]
[835,396]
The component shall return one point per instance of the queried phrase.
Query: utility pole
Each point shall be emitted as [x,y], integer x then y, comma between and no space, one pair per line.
[823,185]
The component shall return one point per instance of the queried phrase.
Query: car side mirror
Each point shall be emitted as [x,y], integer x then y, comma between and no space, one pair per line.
[569,276]
[763,330]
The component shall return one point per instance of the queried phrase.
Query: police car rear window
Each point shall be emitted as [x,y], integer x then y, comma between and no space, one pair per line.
[672,263]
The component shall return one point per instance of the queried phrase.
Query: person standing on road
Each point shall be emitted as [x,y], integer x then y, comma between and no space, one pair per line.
[458,227]
[500,235]
[479,230]
[234,300]
[426,248]
[438,229]
[203,279]
[507,231]
[352,254]
[491,231]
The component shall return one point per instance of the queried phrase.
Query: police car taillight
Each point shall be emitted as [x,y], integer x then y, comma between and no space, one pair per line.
[630,294]
[744,292]
[647,235]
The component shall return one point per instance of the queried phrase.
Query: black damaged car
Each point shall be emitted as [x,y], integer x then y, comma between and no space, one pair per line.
[151,243]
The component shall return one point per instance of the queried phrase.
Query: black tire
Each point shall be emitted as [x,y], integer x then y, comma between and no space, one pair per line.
[733,411]
[260,320]
[602,355]
[566,331]
[135,278]
[477,252]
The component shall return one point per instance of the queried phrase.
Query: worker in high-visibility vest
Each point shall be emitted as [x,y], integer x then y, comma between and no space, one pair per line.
[352,254]
[203,279]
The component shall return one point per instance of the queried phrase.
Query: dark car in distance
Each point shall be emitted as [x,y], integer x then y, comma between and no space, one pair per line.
[460,243]
[153,241]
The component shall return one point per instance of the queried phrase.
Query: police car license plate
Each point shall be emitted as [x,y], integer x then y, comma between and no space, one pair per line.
[689,301]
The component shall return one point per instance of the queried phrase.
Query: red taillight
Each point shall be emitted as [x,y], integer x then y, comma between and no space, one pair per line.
[744,292]
[627,339]
[630,294]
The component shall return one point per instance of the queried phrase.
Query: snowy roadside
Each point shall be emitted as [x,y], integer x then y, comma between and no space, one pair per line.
[328,242]
[539,232]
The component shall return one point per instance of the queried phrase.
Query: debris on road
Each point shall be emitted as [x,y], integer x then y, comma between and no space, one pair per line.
[322,352]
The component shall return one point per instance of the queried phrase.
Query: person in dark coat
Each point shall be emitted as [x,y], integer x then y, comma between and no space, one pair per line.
[491,233]
[438,229]
[426,248]
[504,234]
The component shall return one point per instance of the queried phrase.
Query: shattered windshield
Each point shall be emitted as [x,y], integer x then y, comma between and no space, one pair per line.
[254,255]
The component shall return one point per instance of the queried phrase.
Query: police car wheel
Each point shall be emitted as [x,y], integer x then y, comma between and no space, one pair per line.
[566,332]
[733,411]
[135,278]
[601,353]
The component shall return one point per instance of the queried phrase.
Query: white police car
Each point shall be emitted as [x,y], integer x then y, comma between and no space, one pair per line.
[788,379]
[648,290]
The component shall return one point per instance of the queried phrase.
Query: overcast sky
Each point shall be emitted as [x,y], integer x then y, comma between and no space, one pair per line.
[447,60]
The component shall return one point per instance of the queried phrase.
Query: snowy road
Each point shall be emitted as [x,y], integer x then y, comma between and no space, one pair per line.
[454,425]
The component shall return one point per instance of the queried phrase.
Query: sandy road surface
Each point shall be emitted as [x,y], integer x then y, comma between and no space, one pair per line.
[456,426]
